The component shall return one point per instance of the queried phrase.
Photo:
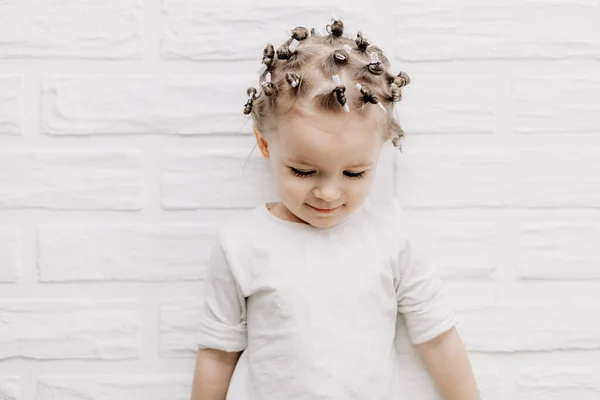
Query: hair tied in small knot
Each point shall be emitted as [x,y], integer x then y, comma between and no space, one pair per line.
[375,66]
[293,79]
[267,59]
[340,91]
[396,92]
[402,79]
[267,85]
[252,95]
[362,42]
[299,33]
[369,97]
[341,55]
[336,28]
[396,84]
[286,50]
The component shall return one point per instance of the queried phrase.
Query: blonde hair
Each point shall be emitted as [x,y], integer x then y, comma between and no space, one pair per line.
[301,74]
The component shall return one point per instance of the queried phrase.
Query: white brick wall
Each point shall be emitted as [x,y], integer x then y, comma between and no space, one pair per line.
[123,146]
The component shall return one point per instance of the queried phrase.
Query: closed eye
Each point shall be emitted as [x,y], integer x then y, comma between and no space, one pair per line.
[306,174]
[355,175]
[301,174]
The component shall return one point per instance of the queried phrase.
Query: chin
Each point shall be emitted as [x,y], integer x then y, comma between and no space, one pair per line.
[324,224]
[324,220]
[304,214]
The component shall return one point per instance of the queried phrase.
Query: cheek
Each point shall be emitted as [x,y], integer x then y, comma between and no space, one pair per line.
[291,187]
[361,189]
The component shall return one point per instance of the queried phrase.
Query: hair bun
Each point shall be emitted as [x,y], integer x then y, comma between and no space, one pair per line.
[361,42]
[336,28]
[268,55]
[267,85]
[340,56]
[396,92]
[252,95]
[402,79]
[283,52]
[368,95]
[376,69]
[340,94]
[252,92]
[299,33]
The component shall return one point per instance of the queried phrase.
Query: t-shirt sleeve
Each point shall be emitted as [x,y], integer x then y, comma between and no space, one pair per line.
[223,316]
[420,291]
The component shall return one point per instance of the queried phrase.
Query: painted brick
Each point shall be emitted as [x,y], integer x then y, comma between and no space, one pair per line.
[71,180]
[447,105]
[414,377]
[9,254]
[70,329]
[117,105]
[123,253]
[114,387]
[418,381]
[10,387]
[451,178]
[178,325]
[554,178]
[462,250]
[556,105]
[196,32]
[498,29]
[106,161]
[213,179]
[110,29]
[10,105]
[558,251]
[534,326]
[490,178]
[558,383]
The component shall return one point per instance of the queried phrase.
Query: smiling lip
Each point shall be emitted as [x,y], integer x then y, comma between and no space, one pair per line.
[324,210]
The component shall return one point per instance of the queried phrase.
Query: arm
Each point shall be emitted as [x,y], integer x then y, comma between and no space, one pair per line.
[430,319]
[448,364]
[222,330]
[213,372]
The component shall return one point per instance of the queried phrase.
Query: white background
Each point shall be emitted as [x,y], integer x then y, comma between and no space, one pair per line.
[123,143]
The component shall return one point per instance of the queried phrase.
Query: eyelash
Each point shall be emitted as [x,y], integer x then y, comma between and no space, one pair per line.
[306,174]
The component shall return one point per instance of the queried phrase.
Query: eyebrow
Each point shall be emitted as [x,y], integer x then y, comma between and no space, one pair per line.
[298,160]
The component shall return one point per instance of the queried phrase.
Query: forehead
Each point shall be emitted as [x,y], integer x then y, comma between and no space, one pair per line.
[330,138]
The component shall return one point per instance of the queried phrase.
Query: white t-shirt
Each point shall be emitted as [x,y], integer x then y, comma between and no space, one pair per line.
[314,310]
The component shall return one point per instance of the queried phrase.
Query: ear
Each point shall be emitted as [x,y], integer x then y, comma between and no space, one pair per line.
[262,144]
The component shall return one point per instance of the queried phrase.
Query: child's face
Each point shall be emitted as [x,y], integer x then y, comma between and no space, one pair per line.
[324,165]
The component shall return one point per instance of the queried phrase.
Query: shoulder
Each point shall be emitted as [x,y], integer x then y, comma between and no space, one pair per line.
[239,241]
[389,216]
[242,227]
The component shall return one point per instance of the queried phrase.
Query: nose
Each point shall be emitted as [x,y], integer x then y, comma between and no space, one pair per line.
[327,192]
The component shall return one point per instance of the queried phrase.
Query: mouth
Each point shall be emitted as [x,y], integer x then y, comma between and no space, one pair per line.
[324,210]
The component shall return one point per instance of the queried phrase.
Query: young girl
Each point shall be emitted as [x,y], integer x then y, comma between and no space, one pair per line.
[307,290]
